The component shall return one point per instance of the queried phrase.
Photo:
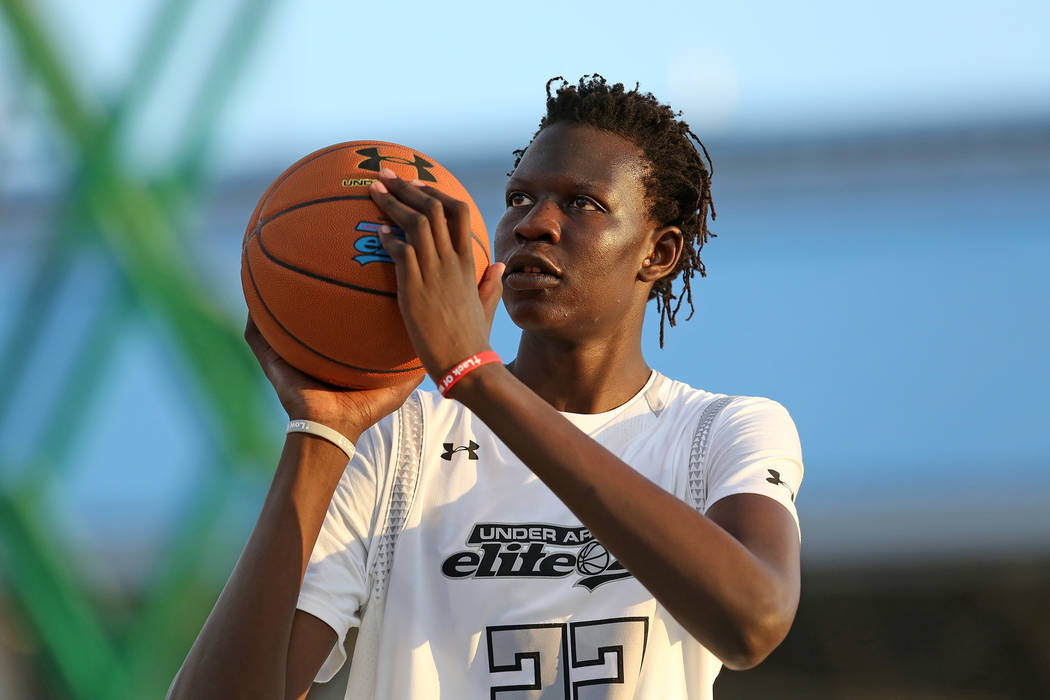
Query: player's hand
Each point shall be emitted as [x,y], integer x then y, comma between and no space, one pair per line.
[448,315]
[350,411]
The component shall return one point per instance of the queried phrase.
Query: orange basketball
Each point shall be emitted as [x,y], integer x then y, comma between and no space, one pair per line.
[318,283]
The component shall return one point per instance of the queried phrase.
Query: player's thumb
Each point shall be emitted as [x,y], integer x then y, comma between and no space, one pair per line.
[491,289]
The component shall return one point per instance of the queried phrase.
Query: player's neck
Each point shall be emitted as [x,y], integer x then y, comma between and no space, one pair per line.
[588,377]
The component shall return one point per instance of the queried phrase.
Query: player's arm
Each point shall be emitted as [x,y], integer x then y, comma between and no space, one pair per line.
[310,644]
[255,644]
[731,579]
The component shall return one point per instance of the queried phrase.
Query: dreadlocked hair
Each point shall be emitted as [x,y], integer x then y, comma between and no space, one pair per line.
[677,184]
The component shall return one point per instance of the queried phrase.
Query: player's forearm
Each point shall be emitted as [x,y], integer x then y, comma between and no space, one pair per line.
[242,649]
[722,593]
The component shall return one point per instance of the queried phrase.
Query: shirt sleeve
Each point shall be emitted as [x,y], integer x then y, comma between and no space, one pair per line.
[754,448]
[335,585]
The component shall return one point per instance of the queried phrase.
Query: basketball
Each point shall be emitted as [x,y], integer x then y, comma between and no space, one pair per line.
[318,283]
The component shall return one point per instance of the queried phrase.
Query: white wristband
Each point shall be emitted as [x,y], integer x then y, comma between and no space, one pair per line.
[323,431]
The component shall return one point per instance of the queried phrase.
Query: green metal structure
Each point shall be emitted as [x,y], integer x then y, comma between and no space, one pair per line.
[139,228]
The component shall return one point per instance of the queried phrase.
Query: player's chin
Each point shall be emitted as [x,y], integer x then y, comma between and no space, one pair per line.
[536,313]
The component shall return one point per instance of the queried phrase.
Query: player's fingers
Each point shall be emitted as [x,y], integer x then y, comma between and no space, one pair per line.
[395,243]
[424,201]
[426,204]
[406,263]
[251,333]
[457,213]
[269,361]
[415,224]
[259,347]
[491,290]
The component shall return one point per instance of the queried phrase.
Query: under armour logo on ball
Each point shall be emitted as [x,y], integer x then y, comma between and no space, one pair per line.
[373,161]
[450,449]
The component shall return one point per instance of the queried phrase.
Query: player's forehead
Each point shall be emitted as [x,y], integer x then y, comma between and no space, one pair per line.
[579,154]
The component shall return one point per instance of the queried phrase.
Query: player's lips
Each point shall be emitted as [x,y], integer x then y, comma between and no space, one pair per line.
[530,271]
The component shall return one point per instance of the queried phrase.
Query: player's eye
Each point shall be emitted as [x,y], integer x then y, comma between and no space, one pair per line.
[518,199]
[582,202]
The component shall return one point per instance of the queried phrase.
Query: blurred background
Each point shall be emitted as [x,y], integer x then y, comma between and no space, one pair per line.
[882,181]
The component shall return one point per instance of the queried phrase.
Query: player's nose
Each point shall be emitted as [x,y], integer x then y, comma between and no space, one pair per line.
[542,222]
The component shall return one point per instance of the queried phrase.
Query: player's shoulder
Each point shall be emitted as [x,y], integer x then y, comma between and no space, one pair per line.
[687,403]
[678,399]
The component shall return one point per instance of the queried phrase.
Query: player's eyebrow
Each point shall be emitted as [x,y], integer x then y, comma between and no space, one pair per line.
[561,184]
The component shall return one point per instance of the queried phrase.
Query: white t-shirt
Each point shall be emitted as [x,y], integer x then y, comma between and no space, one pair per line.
[496,590]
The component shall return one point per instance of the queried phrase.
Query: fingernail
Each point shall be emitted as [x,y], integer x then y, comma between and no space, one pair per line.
[379,187]
[418,183]
[384,228]
[388,173]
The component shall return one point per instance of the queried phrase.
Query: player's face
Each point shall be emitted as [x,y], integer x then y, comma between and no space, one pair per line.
[575,233]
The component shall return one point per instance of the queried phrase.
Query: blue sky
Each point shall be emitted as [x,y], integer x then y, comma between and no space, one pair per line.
[471,74]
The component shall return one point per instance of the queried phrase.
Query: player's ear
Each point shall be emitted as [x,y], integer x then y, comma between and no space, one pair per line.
[662,256]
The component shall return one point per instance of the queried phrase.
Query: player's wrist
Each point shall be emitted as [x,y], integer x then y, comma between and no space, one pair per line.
[325,433]
[473,385]
[330,419]
[468,364]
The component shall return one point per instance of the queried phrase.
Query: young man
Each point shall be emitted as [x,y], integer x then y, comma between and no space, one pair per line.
[569,525]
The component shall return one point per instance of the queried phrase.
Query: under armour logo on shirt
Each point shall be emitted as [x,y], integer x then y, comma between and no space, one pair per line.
[450,449]
[774,478]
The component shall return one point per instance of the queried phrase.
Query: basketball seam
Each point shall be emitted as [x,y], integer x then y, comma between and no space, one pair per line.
[310,159]
[335,198]
[258,227]
[257,234]
[284,176]
[258,293]
[314,275]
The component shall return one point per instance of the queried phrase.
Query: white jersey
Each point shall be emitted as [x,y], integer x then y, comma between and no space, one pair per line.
[496,590]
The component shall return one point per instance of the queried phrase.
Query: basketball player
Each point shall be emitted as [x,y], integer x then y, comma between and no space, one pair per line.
[571,524]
